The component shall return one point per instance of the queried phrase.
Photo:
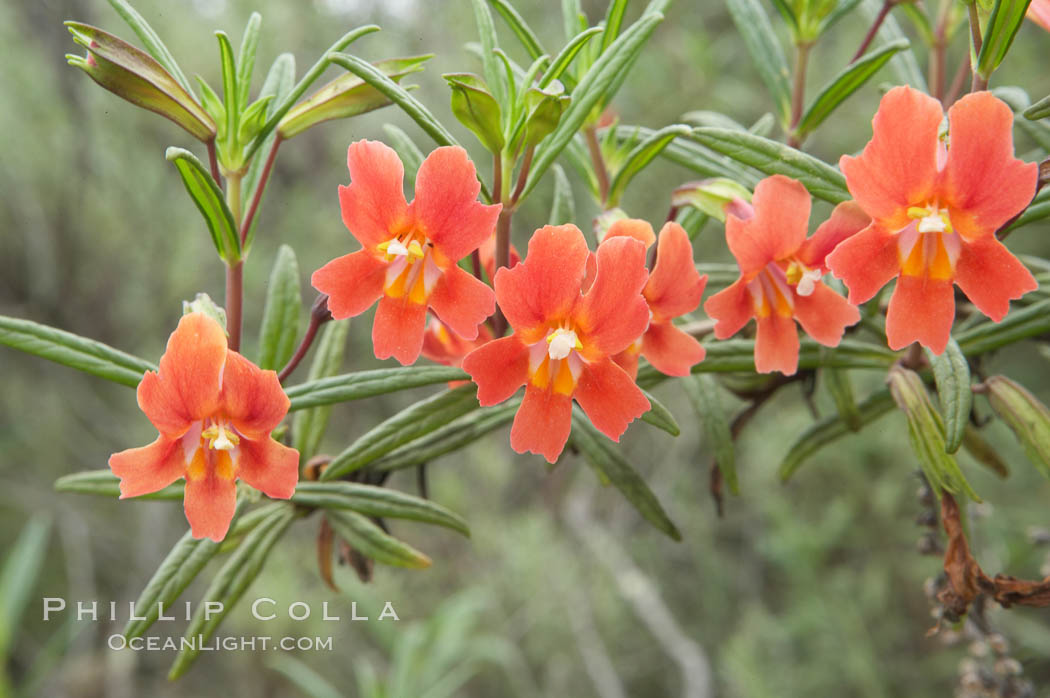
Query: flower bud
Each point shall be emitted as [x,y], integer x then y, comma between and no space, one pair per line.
[717,198]
[1025,415]
[136,77]
[544,108]
[202,303]
[476,108]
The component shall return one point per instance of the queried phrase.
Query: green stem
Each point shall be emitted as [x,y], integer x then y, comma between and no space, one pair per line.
[798,92]
[979,83]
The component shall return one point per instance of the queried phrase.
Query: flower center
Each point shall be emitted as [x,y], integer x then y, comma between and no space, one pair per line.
[803,278]
[929,246]
[555,361]
[561,342]
[932,219]
[220,436]
[412,270]
[771,292]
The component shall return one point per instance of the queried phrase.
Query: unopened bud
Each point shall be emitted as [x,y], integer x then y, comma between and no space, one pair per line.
[1025,415]
[717,198]
[203,303]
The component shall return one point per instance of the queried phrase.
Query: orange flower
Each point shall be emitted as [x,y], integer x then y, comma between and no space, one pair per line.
[563,340]
[214,410]
[935,207]
[410,249]
[1039,12]
[780,275]
[674,288]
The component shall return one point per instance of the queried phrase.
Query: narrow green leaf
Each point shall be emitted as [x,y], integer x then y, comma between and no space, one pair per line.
[377,501]
[610,465]
[613,22]
[565,57]
[371,541]
[660,417]
[695,157]
[229,85]
[105,484]
[310,683]
[572,17]
[844,8]
[151,41]
[407,425]
[563,206]
[846,83]
[920,21]
[1020,324]
[821,179]
[475,108]
[18,578]
[230,584]
[1018,100]
[246,58]
[840,387]
[904,64]
[1039,110]
[304,84]
[362,384]
[1026,416]
[983,452]
[517,24]
[789,16]
[72,350]
[952,374]
[766,53]
[410,154]
[280,323]
[494,75]
[703,393]
[209,200]
[184,562]
[640,156]
[999,32]
[597,84]
[278,84]
[309,425]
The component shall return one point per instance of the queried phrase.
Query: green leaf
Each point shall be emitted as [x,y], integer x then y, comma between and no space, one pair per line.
[597,84]
[904,64]
[151,41]
[1017,99]
[702,391]
[1020,324]
[72,350]
[660,417]
[572,17]
[821,179]
[789,16]
[278,83]
[563,206]
[840,387]
[377,501]
[371,541]
[183,563]
[362,384]
[209,200]
[475,108]
[695,157]
[983,452]
[1039,110]
[304,84]
[846,83]
[613,22]
[999,33]
[280,323]
[920,21]
[410,154]
[831,428]
[494,75]
[1036,211]
[565,57]
[1026,416]
[407,425]
[926,431]
[952,374]
[766,53]
[230,584]
[517,24]
[640,156]
[18,578]
[309,425]
[246,58]
[104,483]
[610,465]
[229,87]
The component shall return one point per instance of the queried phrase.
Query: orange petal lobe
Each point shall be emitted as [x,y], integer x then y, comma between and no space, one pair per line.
[613,313]
[542,423]
[374,203]
[634,228]
[462,302]
[846,220]
[921,310]
[730,308]
[675,287]
[251,397]
[353,283]
[209,504]
[776,345]
[865,262]
[149,468]
[398,329]
[670,350]
[499,368]
[268,466]
[778,227]
[991,276]
[609,397]
[825,315]
[546,285]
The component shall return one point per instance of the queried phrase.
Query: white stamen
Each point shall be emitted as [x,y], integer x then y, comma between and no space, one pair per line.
[808,283]
[561,343]
[397,247]
[222,441]
[933,223]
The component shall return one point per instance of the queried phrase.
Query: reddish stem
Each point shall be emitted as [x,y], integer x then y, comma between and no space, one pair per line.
[870,36]
[234,298]
[246,224]
[523,174]
[213,159]
[595,149]
[319,315]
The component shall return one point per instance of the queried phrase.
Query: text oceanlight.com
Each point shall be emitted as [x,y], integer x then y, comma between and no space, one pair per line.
[199,643]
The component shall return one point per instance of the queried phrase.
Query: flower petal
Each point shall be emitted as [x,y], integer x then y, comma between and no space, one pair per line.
[985,184]
[544,287]
[675,287]
[398,329]
[187,387]
[609,397]
[542,423]
[251,397]
[825,315]
[462,302]
[898,167]
[149,468]
[991,276]
[776,345]
[374,203]
[921,310]
[634,228]
[865,262]
[670,350]
[447,205]
[268,466]
[730,308]
[1039,12]
[628,361]
[613,313]
[778,227]
[209,504]
[499,368]
[353,283]
[846,220]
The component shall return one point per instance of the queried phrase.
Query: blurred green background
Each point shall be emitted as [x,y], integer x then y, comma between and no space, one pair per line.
[809,589]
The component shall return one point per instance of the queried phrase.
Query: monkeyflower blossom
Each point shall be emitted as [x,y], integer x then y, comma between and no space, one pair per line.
[410,250]
[1039,12]
[935,207]
[564,340]
[674,288]
[214,410]
[780,275]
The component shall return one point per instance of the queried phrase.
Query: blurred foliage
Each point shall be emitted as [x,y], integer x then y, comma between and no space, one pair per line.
[814,588]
